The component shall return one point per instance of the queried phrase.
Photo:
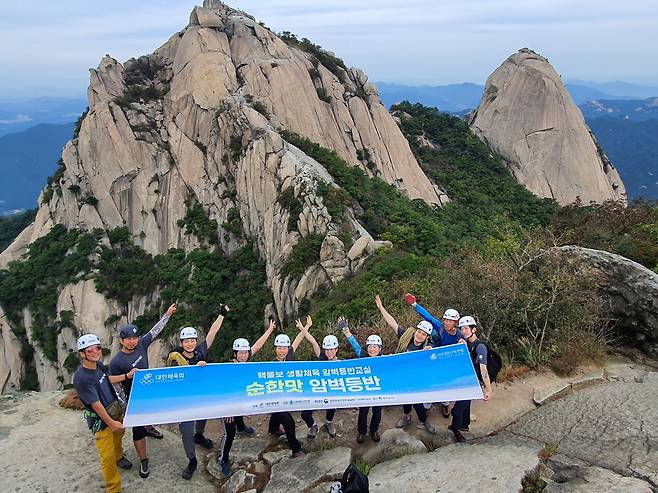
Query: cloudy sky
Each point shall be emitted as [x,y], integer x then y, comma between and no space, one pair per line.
[46,47]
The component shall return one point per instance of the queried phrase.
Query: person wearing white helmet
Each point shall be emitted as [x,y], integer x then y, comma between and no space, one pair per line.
[242,351]
[134,354]
[461,412]
[373,348]
[282,422]
[190,352]
[329,352]
[444,333]
[95,390]
[410,339]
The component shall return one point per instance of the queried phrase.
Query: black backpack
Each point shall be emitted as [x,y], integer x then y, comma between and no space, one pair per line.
[354,481]
[494,361]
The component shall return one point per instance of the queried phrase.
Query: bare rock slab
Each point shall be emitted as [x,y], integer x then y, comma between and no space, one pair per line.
[394,443]
[299,474]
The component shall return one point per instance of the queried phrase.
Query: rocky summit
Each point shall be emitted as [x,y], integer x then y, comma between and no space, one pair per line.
[202,121]
[527,117]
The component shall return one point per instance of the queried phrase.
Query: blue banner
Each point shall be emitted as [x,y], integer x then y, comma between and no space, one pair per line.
[187,393]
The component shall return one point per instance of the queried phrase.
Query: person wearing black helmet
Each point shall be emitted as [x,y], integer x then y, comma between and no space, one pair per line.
[102,409]
[191,352]
[134,354]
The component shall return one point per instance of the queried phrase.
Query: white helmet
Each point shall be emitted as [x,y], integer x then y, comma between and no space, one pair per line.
[330,342]
[282,340]
[88,340]
[241,344]
[188,333]
[451,314]
[466,321]
[374,339]
[425,326]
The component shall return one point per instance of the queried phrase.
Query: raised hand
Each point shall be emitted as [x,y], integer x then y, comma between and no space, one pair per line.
[272,326]
[378,302]
[410,298]
[171,310]
[309,322]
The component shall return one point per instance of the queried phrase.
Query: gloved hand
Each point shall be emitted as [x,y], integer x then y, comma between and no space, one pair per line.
[342,323]
[223,309]
[410,298]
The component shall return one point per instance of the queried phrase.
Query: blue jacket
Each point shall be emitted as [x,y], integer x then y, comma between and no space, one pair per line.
[439,335]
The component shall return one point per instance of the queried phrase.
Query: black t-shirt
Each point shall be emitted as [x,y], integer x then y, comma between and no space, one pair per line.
[290,356]
[200,354]
[124,362]
[93,386]
[412,346]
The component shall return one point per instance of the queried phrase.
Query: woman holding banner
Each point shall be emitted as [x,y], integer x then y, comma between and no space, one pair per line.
[373,348]
[410,339]
[191,352]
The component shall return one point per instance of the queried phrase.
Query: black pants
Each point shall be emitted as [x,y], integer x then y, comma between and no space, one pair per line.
[421,412]
[229,435]
[288,422]
[307,416]
[362,425]
[461,415]
[139,432]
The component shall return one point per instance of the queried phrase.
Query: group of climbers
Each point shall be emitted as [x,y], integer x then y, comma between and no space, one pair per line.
[104,412]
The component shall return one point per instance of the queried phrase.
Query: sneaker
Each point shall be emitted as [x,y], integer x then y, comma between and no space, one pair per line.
[152,432]
[144,468]
[189,470]
[445,410]
[404,420]
[313,431]
[224,467]
[124,463]
[203,441]
[375,436]
[360,438]
[428,426]
[331,428]
[247,430]
[299,455]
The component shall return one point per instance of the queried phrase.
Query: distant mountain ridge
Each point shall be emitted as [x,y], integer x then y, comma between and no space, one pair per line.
[16,116]
[636,110]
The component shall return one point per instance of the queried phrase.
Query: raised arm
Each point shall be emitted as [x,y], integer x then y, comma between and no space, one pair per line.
[160,325]
[343,325]
[302,329]
[214,328]
[314,343]
[258,345]
[392,323]
[422,311]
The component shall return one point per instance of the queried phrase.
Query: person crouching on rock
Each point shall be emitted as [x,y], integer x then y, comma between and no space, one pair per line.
[461,412]
[242,351]
[103,411]
[329,353]
[411,339]
[191,352]
[373,348]
[134,354]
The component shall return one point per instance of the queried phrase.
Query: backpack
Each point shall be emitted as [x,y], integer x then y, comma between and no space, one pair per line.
[494,361]
[354,481]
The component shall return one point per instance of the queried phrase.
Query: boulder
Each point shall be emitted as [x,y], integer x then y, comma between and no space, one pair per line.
[239,481]
[527,117]
[275,456]
[630,295]
[247,449]
[299,474]
[394,443]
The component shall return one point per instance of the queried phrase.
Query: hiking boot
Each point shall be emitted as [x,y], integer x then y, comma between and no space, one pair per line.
[428,426]
[445,410]
[458,436]
[299,455]
[224,467]
[313,431]
[375,436]
[203,441]
[152,432]
[248,430]
[461,428]
[360,438]
[144,468]
[404,420]
[189,470]
[331,428]
[124,463]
